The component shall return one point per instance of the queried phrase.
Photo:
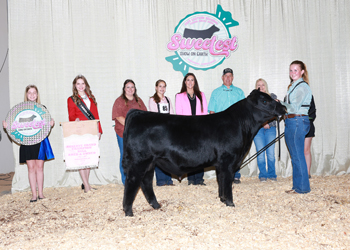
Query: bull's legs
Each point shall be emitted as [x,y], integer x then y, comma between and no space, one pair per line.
[218,178]
[147,189]
[132,185]
[225,186]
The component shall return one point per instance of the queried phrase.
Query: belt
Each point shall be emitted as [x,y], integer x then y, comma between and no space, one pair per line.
[292,116]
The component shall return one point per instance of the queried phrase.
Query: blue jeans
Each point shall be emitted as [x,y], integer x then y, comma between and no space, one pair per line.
[262,138]
[295,130]
[163,178]
[237,175]
[120,144]
[196,177]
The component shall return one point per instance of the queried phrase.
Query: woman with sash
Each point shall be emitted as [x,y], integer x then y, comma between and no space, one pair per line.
[161,104]
[126,101]
[82,105]
[297,124]
[35,155]
[191,101]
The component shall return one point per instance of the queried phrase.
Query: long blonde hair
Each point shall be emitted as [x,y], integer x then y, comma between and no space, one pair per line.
[26,91]
[265,83]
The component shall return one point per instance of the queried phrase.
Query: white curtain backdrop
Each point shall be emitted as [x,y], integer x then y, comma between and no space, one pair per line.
[109,41]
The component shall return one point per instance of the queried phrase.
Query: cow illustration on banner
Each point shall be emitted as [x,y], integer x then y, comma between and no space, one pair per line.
[202,41]
[28,123]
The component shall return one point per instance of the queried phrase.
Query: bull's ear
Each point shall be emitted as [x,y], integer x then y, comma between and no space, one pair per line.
[255,91]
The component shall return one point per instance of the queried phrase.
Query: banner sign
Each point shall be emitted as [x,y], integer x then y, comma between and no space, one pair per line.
[81,144]
[202,41]
[28,123]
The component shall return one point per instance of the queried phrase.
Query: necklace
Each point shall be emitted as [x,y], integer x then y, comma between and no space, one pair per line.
[84,97]
[191,98]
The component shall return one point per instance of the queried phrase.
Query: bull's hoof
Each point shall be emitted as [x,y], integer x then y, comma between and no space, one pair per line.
[155,205]
[129,213]
[229,203]
[222,199]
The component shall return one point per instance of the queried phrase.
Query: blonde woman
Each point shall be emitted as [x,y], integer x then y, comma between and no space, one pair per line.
[264,136]
[35,155]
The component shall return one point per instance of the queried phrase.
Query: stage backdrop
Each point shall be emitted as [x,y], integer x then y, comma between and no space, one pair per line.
[109,41]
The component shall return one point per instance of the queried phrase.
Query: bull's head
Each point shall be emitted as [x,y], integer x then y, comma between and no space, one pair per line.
[265,103]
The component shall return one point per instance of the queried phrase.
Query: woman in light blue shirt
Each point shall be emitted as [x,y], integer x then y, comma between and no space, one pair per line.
[297,124]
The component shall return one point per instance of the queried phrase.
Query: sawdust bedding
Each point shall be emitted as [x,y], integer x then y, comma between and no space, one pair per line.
[191,217]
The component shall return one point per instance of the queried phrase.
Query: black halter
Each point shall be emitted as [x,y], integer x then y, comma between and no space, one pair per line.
[278,138]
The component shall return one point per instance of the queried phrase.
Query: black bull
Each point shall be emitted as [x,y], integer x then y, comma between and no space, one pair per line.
[184,144]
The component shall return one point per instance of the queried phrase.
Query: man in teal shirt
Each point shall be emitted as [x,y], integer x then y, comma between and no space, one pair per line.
[223,97]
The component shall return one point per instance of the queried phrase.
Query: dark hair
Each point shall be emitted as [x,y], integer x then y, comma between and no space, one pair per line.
[135,94]
[156,98]
[196,90]
[76,98]
[302,66]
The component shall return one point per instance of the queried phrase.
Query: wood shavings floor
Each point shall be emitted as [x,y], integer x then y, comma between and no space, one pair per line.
[191,217]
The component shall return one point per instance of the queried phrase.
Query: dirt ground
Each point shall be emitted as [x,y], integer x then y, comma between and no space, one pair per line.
[191,217]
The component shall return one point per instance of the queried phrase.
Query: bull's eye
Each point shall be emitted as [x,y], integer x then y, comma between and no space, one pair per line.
[264,101]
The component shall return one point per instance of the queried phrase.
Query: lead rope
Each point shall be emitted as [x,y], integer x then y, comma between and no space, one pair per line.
[278,138]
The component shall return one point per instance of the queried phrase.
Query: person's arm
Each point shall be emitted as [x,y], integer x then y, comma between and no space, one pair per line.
[171,107]
[94,111]
[242,96]
[299,95]
[152,105]
[116,115]
[178,104]
[212,103]
[71,110]
[205,105]
[143,106]
[121,120]
[4,124]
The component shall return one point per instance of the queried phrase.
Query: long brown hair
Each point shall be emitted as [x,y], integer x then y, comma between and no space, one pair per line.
[137,98]
[196,90]
[305,75]
[26,91]
[76,97]
[156,97]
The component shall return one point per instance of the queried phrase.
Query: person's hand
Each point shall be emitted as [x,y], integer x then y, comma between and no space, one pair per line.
[52,122]
[4,124]
[267,126]
[77,119]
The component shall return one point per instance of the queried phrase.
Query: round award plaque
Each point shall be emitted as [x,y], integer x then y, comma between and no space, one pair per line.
[28,123]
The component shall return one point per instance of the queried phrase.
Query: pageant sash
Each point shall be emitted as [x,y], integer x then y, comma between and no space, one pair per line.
[84,110]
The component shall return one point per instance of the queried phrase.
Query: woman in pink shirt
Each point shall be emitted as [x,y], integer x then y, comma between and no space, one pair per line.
[161,104]
[191,101]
